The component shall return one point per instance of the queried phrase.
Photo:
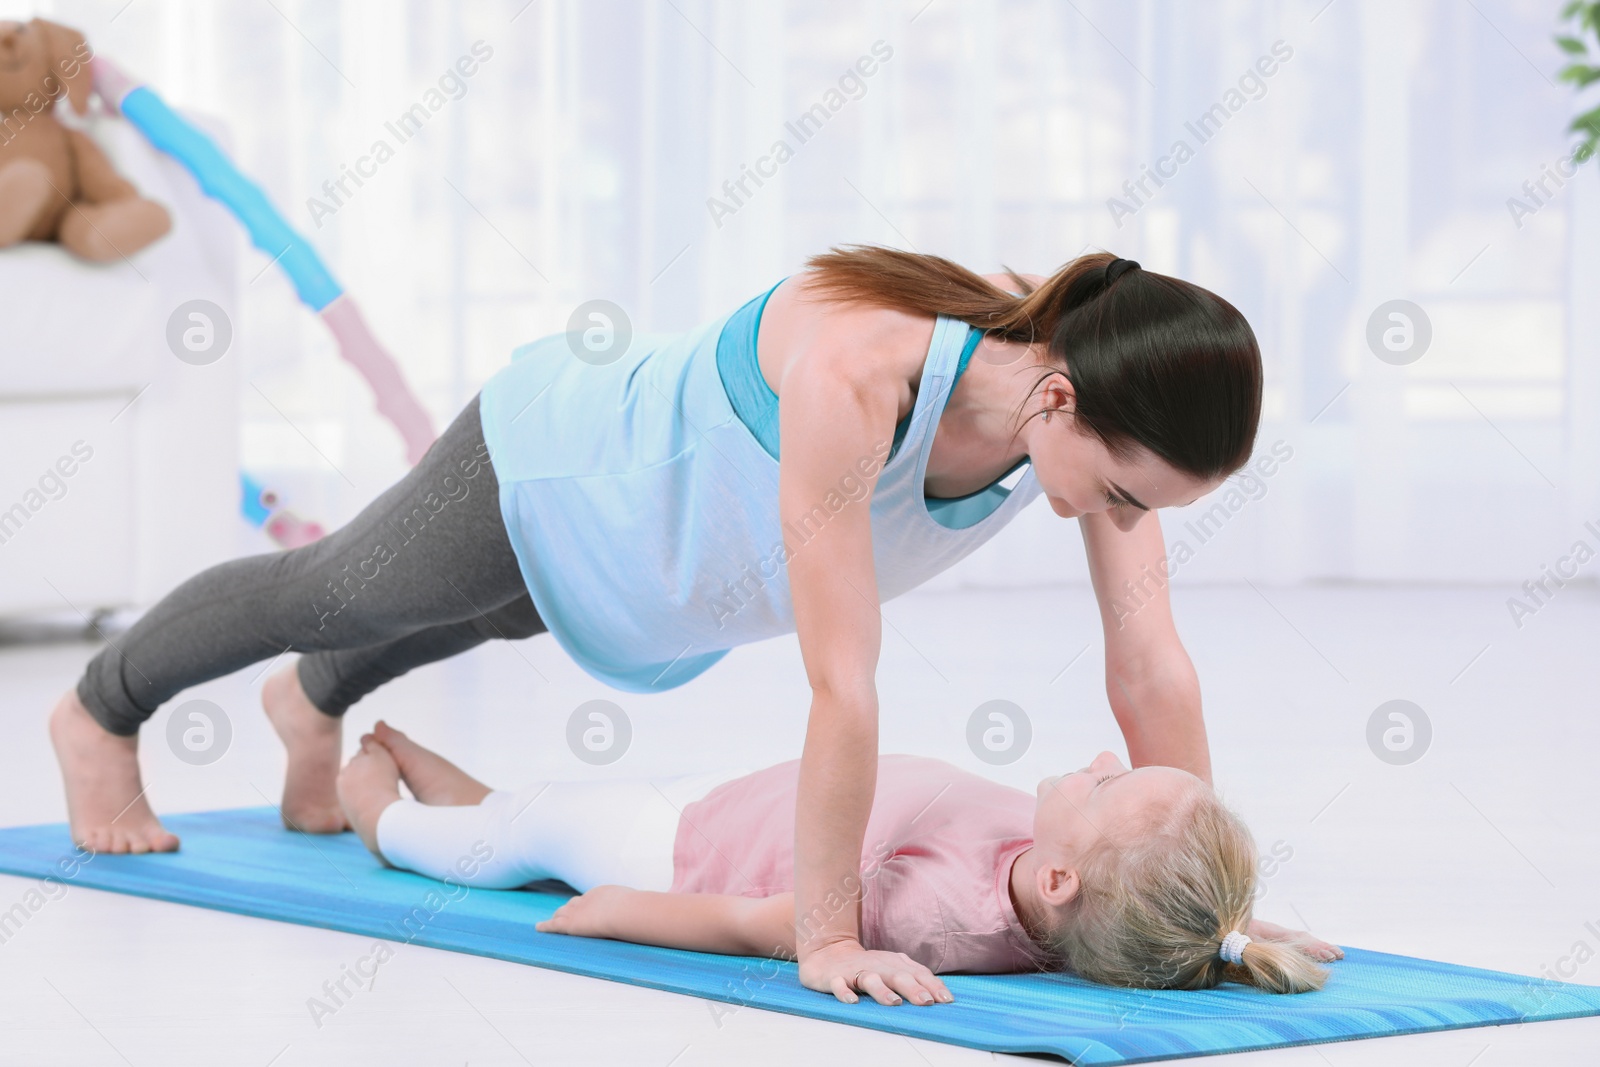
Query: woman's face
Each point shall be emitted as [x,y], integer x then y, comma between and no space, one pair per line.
[1104,801]
[1079,474]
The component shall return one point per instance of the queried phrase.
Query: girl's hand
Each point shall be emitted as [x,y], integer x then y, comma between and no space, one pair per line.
[844,969]
[589,915]
[1314,947]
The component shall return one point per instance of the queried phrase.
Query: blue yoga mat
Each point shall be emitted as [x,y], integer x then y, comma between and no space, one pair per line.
[244,861]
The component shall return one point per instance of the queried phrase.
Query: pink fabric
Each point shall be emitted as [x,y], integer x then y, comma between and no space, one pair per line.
[936,860]
[394,398]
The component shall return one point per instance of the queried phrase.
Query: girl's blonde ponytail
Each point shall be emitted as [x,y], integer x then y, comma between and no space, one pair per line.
[1277,968]
[1154,914]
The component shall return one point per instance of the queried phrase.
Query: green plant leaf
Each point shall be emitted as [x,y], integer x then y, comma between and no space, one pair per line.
[1579,74]
[1588,122]
[1586,13]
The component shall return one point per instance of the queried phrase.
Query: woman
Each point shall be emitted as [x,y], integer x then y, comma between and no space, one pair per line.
[640,511]
[1133,878]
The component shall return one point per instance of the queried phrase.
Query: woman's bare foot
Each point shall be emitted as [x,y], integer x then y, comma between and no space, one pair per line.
[310,797]
[106,807]
[431,778]
[369,783]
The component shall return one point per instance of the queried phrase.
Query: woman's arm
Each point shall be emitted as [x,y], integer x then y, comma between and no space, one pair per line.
[699,922]
[837,404]
[1150,680]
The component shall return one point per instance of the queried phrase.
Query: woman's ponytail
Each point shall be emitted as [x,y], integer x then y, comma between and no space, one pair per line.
[932,285]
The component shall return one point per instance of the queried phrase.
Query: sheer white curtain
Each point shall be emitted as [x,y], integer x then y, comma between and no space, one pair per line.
[1338,156]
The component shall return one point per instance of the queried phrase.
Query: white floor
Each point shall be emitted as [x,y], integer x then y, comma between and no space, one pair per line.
[1483,852]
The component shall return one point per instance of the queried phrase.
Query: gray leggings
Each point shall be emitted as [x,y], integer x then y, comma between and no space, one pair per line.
[424,572]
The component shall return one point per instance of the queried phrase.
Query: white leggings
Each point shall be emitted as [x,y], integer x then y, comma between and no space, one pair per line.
[582,833]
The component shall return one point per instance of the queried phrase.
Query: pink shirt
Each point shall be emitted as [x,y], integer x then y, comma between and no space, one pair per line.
[935,863]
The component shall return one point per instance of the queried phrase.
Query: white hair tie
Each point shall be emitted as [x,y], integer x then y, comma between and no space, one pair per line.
[1233,945]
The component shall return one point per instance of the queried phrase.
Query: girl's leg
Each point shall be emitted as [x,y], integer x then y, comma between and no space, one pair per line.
[369,783]
[431,778]
[616,832]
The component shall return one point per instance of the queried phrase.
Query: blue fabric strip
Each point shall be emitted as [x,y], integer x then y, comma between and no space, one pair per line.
[752,398]
[224,182]
[757,407]
[243,861]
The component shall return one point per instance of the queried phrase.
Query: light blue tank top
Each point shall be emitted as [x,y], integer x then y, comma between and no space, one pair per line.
[641,497]
[757,407]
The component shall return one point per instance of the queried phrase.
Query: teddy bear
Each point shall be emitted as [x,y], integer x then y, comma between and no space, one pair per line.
[55,182]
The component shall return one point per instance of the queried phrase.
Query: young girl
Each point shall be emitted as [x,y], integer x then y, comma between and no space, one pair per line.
[1135,878]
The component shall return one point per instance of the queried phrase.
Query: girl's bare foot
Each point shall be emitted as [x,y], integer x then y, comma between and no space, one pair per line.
[310,798]
[369,783]
[431,778]
[106,807]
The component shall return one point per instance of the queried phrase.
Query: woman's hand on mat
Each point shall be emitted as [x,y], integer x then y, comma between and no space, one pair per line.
[1314,947]
[844,969]
[589,915]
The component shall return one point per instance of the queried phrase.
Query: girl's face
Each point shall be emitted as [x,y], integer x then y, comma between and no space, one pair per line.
[1104,801]
[1079,474]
